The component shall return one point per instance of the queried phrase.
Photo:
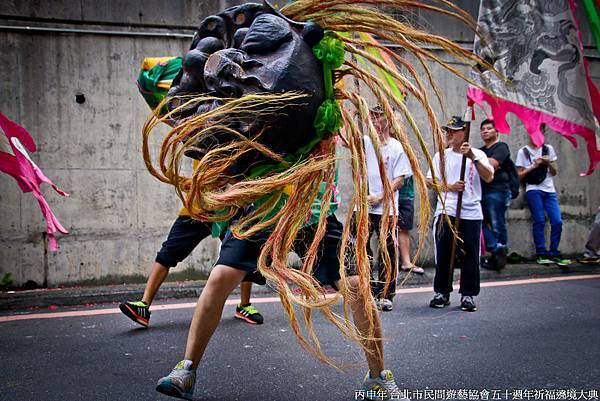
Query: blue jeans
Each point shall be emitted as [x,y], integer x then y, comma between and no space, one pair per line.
[542,203]
[494,205]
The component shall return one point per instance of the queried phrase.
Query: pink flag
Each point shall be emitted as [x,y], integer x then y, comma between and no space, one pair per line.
[536,45]
[27,173]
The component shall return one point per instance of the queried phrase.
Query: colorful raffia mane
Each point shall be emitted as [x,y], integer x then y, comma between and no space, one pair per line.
[207,199]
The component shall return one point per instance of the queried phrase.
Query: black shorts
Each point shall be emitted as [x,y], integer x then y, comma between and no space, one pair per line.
[406,213]
[185,235]
[243,254]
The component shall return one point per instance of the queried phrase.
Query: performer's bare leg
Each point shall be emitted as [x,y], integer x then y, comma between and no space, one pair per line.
[138,311]
[404,243]
[221,282]
[157,277]
[245,292]
[357,302]
[404,240]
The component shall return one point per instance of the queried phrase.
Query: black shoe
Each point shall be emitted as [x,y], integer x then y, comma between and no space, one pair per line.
[489,263]
[248,313]
[440,300]
[137,311]
[467,304]
[515,258]
[501,256]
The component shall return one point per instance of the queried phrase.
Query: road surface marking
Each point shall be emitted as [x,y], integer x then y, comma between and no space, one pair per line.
[262,300]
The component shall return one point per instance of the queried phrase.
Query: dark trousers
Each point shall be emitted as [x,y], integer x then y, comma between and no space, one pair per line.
[467,255]
[378,284]
[494,205]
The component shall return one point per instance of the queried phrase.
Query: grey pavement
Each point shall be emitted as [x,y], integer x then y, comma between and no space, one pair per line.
[82,295]
[526,336]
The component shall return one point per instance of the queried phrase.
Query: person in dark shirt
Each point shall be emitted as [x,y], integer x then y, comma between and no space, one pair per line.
[496,197]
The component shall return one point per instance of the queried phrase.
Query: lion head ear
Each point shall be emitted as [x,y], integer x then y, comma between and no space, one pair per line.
[312,33]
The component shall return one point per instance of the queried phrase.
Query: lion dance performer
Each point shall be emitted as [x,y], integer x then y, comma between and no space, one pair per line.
[259,103]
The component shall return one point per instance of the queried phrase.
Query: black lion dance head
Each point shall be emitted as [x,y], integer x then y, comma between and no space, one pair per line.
[247,50]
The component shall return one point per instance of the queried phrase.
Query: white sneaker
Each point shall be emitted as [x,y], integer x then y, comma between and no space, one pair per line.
[180,382]
[382,387]
[386,305]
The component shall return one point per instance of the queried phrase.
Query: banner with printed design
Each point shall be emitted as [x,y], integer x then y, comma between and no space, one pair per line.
[536,46]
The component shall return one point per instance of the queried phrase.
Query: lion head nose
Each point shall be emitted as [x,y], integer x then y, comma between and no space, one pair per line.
[222,71]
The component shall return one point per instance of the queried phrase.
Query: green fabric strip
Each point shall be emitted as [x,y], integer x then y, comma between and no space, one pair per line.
[407,191]
[148,80]
[594,20]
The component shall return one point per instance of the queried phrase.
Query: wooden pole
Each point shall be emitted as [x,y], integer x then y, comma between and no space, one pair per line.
[463,168]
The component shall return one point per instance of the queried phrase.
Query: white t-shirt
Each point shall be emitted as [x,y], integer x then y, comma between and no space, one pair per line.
[523,161]
[396,165]
[471,200]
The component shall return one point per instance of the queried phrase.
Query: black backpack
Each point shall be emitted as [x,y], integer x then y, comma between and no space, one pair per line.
[537,176]
[513,178]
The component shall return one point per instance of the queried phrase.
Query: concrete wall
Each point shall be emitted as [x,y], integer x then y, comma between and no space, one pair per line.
[118,214]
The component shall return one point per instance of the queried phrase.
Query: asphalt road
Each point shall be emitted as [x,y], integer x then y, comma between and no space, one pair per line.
[524,336]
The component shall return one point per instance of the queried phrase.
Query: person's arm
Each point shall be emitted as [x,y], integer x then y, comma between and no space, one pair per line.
[523,171]
[401,170]
[374,199]
[429,177]
[397,183]
[458,186]
[486,174]
[485,170]
[553,168]
[495,164]
[521,165]
[550,161]
[501,153]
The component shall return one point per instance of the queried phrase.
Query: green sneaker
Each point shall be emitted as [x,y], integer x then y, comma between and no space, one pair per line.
[543,260]
[137,311]
[180,382]
[248,313]
[382,387]
[561,261]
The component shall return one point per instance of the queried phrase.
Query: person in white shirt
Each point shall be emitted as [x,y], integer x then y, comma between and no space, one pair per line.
[478,168]
[536,166]
[397,168]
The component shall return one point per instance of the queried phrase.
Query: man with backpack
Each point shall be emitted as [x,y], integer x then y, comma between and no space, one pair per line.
[496,196]
[536,166]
